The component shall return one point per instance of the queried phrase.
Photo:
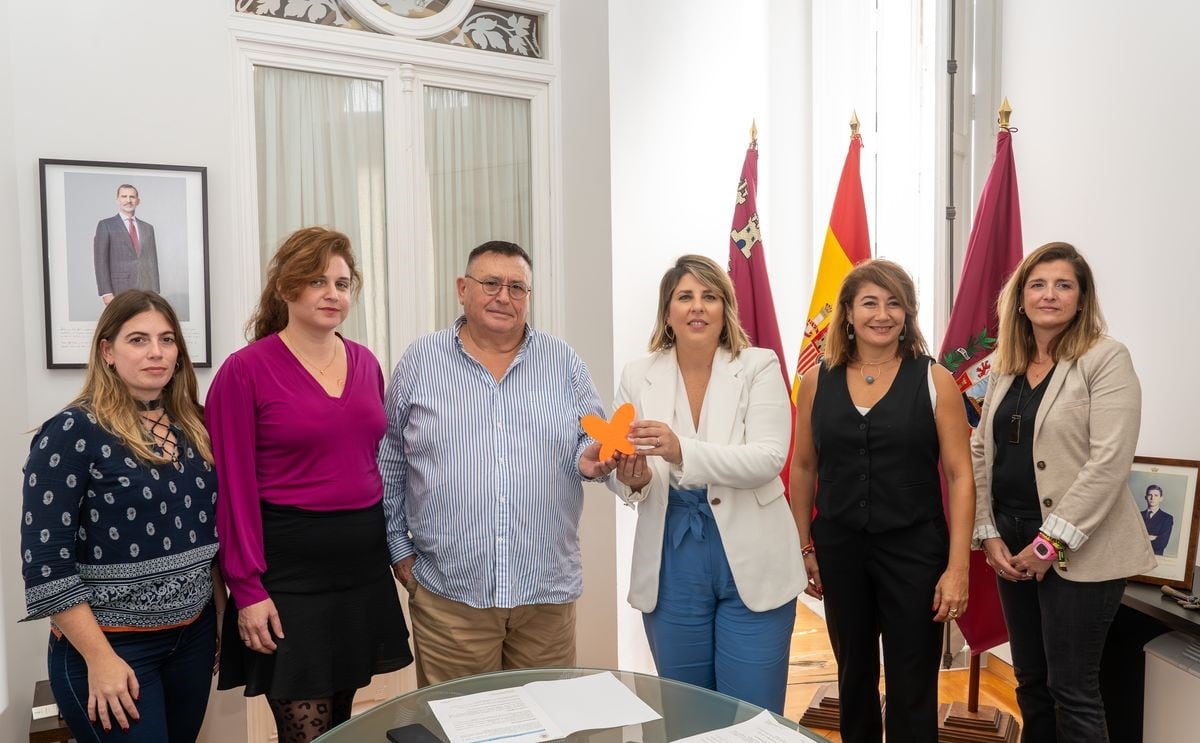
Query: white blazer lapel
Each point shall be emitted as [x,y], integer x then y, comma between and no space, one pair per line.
[657,402]
[725,389]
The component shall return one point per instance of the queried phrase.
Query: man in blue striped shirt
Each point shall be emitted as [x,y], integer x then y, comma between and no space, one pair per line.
[482,466]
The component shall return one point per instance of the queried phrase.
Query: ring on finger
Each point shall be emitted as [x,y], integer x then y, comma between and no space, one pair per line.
[1003,572]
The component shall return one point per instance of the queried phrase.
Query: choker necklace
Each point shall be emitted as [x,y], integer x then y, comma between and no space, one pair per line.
[154,404]
[879,368]
[160,432]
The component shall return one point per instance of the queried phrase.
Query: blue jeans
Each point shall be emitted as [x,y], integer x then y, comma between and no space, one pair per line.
[1057,629]
[700,632]
[174,672]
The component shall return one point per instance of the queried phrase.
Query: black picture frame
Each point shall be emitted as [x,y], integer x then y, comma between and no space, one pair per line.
[78,196]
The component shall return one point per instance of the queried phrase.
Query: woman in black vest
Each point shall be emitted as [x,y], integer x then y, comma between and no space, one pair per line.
[872,426]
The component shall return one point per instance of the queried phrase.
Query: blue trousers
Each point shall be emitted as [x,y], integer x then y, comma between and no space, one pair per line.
[700,632]
[174,672]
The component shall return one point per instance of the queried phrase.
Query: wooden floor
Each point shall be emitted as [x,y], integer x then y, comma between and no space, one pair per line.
[812,665]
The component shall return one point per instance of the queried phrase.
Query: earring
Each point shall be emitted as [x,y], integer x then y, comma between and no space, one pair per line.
[903,334]
[1020,310]
[849,331]
[670,334]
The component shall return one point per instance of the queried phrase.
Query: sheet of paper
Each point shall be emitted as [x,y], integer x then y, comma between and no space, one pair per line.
[762,728]
[508,715]
[541,711]
[591,702]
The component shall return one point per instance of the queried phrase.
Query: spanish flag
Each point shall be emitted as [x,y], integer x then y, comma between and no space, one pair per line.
[846,243]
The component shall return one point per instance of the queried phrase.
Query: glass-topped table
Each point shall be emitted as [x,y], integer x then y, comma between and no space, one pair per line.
[686,709]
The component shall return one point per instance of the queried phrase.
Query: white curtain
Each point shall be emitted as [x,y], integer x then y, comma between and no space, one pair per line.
[320,162]
[477,154]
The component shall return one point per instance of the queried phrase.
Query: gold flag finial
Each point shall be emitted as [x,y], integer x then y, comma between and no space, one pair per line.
[853,123]
[1004,113]
[753,134]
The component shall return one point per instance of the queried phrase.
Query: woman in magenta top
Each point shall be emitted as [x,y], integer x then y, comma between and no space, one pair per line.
[295,419]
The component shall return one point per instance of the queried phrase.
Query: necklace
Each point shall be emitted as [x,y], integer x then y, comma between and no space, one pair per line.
[879,369]
[1014,422]
[154,404]
[318,369]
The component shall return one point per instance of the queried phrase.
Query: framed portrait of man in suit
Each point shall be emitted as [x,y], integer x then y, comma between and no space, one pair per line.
[108,227]
[1165,493]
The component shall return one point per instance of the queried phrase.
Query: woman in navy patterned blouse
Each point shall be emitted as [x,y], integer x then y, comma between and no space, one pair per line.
[118,535]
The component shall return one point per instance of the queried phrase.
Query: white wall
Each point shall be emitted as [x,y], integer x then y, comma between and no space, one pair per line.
[687,78]
[62,76]
[589,293]
[1107,159]
[22,647]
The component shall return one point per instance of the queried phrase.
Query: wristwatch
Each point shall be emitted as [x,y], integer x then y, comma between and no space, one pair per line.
[1044,549]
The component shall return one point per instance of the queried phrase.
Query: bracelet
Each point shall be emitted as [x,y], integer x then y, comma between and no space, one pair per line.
[807,550]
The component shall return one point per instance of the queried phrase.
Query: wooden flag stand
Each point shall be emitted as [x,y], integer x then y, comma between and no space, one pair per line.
[970,723]
[825,709]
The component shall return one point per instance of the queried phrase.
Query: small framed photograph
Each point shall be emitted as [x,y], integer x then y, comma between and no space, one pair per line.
[107,227]
[1165,491]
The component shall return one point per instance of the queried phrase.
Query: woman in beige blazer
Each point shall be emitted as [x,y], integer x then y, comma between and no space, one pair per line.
[716,558]
[1052,455]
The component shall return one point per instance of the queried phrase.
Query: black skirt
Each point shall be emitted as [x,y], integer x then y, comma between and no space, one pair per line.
[328,573]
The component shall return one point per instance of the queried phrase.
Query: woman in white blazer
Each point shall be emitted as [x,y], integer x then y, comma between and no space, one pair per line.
[716,558]
[1054,513]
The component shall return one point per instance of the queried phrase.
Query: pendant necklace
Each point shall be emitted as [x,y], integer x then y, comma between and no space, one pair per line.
[879,368]
[306,362]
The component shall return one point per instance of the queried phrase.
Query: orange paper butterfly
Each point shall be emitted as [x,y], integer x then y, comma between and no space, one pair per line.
[612,436]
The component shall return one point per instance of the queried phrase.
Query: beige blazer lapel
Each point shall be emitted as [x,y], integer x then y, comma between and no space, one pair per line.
[1054,386]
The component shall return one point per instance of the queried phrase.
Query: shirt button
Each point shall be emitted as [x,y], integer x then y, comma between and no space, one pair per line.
[1048,502]
[715,501]
[862,504]
[862,426]
[862,477]
[862,451]
[1041,465]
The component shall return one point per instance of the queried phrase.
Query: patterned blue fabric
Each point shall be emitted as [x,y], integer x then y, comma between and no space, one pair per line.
[481,478]
[134,540]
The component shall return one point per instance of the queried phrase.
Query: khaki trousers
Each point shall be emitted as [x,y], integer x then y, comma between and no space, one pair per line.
[453,639]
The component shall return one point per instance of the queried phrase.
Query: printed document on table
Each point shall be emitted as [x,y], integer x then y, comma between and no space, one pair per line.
[762,728]
[541,711]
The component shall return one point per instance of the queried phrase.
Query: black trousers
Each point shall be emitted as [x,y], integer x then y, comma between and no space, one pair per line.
[1057,629]
[881,586]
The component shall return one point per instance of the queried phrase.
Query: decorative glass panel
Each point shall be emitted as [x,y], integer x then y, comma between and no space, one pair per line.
[477,153]
[496,30]
[487,28]
[414,8]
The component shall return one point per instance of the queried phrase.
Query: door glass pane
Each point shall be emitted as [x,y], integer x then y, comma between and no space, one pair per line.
[320,162]
[477,153]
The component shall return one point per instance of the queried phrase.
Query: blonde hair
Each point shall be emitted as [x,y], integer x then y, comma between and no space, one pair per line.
[840,348]
[106,396]
[708,273]
[302,257]
[1015,345]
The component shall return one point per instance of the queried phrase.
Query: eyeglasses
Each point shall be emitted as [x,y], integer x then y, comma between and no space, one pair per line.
[491,287]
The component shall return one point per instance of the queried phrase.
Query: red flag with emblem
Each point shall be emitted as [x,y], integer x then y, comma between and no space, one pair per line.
[993,251]
[748,271]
